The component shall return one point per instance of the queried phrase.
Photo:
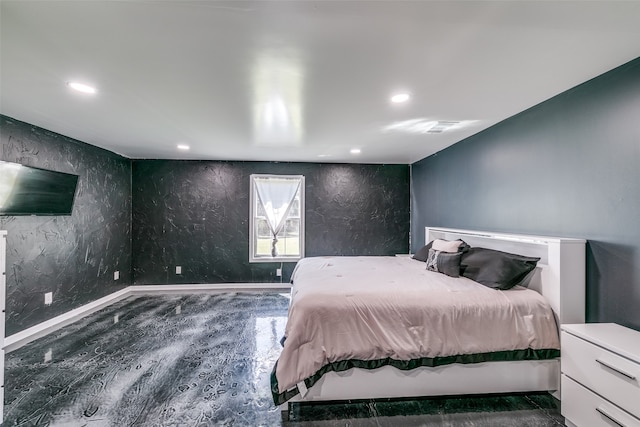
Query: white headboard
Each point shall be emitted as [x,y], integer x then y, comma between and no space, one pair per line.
[561,272]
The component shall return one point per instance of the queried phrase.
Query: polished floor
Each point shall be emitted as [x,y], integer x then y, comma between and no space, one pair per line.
[205,360]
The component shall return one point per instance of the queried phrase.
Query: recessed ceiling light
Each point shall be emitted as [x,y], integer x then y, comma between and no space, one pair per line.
[80,87]
[355,151]
[400,97]
[183,147]
[324,155]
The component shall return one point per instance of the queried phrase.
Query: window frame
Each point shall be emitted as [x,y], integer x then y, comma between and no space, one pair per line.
[253,214]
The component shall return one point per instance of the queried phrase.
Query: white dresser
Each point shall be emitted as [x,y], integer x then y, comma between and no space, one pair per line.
[600,366]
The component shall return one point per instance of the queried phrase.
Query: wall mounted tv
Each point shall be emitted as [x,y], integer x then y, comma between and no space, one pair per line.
[26,190]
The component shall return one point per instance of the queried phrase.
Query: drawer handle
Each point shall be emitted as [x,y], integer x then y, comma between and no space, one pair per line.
[609,417]
[618,370]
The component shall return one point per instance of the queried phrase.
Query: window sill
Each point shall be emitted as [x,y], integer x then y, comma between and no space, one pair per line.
[279,259]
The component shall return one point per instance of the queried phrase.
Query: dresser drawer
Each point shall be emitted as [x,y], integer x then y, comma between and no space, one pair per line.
[613,377]
[1,379]
[586,409]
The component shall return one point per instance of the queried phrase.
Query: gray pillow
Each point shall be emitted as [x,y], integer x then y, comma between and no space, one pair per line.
[496,269]
[423,252]
[444,262]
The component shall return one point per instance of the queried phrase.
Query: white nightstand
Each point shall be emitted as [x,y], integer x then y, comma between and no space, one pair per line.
[600,366]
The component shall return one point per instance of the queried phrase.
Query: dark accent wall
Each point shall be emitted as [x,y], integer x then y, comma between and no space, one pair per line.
[72,256]
[196,214]
[569,167]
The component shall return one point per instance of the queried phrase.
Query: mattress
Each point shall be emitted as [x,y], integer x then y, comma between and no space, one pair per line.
[369,312]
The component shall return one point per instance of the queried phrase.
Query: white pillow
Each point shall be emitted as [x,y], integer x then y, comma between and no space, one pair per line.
[446,246]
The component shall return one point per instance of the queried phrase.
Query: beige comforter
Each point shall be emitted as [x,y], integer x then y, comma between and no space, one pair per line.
[370,308]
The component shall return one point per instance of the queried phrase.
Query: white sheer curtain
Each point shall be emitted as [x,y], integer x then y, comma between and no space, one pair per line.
[276,196]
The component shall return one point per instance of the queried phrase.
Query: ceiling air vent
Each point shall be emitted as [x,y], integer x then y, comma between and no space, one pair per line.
[441,126]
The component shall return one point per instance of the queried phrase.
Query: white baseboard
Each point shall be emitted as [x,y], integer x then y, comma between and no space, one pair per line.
[215,287]
[15,341]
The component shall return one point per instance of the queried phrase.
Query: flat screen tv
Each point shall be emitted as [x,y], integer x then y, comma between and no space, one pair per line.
[25,190]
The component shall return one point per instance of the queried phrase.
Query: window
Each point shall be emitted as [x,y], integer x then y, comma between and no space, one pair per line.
[276,224]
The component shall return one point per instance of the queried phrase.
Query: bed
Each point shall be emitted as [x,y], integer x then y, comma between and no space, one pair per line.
[348,337]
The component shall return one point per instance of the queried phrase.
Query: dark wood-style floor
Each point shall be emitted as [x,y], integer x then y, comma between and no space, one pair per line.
[205,360]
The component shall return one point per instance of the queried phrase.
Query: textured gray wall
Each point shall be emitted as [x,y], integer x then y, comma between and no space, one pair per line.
[72,256]
[195,214]
[568,167]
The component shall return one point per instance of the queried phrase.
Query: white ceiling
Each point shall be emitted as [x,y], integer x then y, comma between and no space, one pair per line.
[295,80]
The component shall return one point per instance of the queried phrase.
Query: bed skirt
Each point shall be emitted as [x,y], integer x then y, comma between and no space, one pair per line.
[405,365]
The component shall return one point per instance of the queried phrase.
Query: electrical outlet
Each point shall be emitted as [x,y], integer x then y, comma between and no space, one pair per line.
[116,275]
[178,269]
[278,272]
[48,298]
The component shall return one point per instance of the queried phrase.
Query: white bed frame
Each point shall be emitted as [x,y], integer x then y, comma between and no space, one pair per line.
[559,277]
